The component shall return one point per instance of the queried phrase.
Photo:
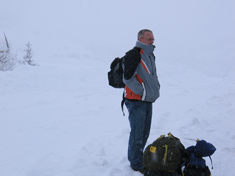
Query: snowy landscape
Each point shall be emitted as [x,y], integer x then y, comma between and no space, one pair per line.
[61,118]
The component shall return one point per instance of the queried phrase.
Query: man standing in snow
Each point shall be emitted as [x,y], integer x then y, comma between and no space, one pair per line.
[141,90]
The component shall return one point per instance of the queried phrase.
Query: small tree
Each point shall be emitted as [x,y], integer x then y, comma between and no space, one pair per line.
[28,56]
[8,60]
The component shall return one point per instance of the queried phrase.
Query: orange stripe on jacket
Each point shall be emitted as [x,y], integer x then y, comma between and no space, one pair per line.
[145,66]
[139,79]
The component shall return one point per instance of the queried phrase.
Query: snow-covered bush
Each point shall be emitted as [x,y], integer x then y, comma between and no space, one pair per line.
[8,59]
[27,59]
[28,56]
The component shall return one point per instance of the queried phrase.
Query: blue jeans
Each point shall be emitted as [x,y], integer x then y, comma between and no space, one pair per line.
[140,116]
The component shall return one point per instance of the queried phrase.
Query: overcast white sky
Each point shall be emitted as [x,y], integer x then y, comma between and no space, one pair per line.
[197,33]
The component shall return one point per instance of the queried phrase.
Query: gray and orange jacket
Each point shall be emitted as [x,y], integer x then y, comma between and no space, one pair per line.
[140,74]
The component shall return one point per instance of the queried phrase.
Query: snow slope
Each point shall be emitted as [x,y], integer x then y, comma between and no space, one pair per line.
[62,119]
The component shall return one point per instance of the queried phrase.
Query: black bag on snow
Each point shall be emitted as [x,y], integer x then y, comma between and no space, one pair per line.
[195,165]
[115,75]
[164,157]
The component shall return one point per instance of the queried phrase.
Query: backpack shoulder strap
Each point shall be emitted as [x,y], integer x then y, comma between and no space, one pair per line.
[122,103]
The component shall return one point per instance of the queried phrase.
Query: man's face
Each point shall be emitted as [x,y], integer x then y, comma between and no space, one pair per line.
[147,38]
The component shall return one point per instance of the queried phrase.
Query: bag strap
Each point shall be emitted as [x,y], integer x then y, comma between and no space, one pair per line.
[211,162]
[165,154]
[122,103]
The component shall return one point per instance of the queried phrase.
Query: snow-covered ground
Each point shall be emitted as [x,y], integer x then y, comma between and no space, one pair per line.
[62,119]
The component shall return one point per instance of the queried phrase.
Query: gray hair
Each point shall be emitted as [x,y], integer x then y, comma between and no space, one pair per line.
[141,33]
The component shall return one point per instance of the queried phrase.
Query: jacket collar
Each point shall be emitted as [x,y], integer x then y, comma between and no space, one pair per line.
[147,48]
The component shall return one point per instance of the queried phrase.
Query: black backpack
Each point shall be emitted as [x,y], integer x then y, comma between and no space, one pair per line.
[164,156]
[115,75]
